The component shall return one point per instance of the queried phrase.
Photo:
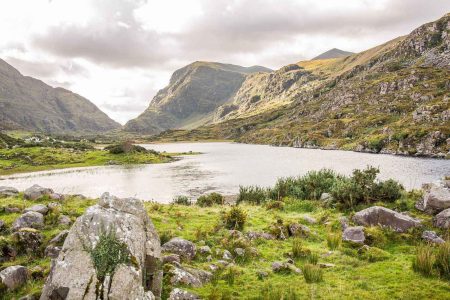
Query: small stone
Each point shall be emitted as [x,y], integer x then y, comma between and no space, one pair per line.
[227,255]
[12,209]
[432,237]
[7,191]
[442,219]
[36,192]
[252,235]
[28,240]
[64,220]
[40,208]
[239,251]
[56,197]
[29,219]
[13,277]
[204,250]
[179,294]
[171,258]
[262,274]
[186,249]
[53,205]
[354,234]
[52,251]
[326,265]
[296,229]
[344,222]
[326,197]
[209,258]
[309,219]
[59,238]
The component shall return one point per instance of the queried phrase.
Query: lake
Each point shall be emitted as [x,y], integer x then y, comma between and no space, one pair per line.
[222,167]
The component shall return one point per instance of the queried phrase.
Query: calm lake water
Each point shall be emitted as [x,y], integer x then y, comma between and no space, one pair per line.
[223,167]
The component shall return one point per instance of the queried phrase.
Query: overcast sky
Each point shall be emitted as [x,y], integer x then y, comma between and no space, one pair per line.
[119,53]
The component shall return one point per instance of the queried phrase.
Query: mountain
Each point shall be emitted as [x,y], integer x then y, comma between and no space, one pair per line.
[30,104]
[193,94]
[393,98]
[333,53]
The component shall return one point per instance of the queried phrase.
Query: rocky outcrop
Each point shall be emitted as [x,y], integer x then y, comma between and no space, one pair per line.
[13,277]
[381,216]
[182,247]
[36,191]
[436,198]
[432,237]
[442,219]
[74,274]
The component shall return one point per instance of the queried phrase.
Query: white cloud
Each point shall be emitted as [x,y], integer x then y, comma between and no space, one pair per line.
[118,53]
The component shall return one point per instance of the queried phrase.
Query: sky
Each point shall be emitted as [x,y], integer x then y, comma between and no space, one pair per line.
[119,53]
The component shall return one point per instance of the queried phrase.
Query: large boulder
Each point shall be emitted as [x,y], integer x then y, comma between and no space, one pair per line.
[13,277]
[36,191]
[182,247]
[442,219]
[381,216]
[179,275]
[354,234]
[7,191]
[74,275]
[40,208]
[436,198]
[30,219]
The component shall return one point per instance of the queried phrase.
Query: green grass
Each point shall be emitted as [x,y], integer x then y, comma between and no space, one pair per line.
[45,158]
[353,277]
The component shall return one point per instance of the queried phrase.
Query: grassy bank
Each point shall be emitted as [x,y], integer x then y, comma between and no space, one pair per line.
[384,273]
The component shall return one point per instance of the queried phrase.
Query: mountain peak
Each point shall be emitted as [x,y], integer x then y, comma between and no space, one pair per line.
[333,53]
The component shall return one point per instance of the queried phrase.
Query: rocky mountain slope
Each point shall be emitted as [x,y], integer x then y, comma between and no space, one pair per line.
[30,104]
[333,53]
[393,98]
[191,97]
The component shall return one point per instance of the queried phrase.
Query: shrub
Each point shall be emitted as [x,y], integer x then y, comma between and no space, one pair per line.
[235,218]
[210,200]
[108,254]
[181,200]
[424,260]
[278,205]
[389,190]
[230,275]
[127,147]
[334,240]
[443,260]
[313,258]
[375,236]
[270,292]
[373,254]
[251,194]
[312,273]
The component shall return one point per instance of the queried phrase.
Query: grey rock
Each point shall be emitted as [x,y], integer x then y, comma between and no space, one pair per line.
[432,237]
[53,205]
[296,229]
[344,222]
[442,219]
[28,240]
[239,251]
[12,209]
[59,238]
[227,255]
[73,276]
[29,219]
[64,220]
[284,267]
[180,276]
[309,219]
[2,225]
[179,294]
[326,265]
[52,251]
[40,208]
[184,248]
[171,258]
[381,216]
[326,197]
[354,234]
[262,274]
[56,196]
[204,250]
[202,275]
[7,191]
[14,277]
[253,235]
[36,191]
[436,198]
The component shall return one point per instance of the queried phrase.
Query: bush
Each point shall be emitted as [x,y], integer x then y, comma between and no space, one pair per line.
[307,187]
[127,147]
[334,240]
[389,190]
[313,258]
[443,260]
[235,218]
[251,194]
[277,205]
[375,236]
[424,260]
[373,254]
[312,273]
[181,200]
[210,200]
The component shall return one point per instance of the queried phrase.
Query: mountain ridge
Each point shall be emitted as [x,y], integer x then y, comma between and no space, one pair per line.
[332,53]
